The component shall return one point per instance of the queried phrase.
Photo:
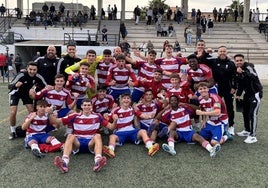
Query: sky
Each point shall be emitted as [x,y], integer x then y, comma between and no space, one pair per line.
[205,6]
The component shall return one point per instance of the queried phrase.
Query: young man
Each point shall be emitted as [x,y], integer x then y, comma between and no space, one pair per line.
[146,71]
[35,125]
[85,137]
[181,119]
[199,73]
[124,130]
[249,83]
[68,60]
[118,78]
[102,102]
[19,89]
[214,115]
[80,82]
[104,65]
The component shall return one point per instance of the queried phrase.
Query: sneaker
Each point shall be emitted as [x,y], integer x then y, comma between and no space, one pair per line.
[99,164]
[215,150]
[108,151]
[153,149]
[251,140]
[243,133]
[58,162]
[37,153]
[168,149]
[231,130]
[150,130]
[12,136]
[163,132]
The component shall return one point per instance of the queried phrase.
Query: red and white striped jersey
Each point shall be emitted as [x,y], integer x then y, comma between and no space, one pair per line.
[203,73]
[172,65]
[81,86]
[149,109]
[37,125]
[56,98]
[181,92]
[104,105]
[146,70]
[214,102]
[102,71]
[85,126]
[182,118]
[121,76]
[125,118]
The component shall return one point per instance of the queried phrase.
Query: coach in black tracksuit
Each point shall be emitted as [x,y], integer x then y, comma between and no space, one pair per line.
[224,74]
[249,83]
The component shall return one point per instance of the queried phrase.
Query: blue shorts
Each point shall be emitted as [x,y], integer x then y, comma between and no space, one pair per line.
[136,95]
[212,132]
[185,136]
[117,92]
[63,112]
[144,126]
[128,136]
[40,138]
[212,89]
[83,148]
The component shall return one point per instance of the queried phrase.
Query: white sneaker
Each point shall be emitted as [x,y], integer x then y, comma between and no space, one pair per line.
[168,149]
[213,152]
[243,133]
[231,130]
[251,140]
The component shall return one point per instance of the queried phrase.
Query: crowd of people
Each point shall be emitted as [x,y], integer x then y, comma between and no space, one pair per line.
[103,94]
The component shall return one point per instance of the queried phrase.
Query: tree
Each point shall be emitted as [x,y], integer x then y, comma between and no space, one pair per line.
[158,3]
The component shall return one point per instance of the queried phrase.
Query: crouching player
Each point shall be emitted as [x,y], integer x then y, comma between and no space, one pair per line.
[35,125]
[124,130]
[215,117]
[85,137]
[180,119]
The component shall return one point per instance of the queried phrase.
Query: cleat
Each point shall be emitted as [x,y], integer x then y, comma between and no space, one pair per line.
[58,162]
[99,164]
[229,136]
[231,131]
[151,128]
[168,149]
[153,149]
[108,151]
[243,133]
[12,136]
[37,153]
[251,140]
[163,132]
[215,150]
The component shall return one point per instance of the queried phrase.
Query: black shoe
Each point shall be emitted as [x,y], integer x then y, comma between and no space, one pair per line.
[12,136]
[37,153]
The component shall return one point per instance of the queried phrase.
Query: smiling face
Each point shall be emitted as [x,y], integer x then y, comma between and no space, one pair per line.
[239,61]
[91,57]
[83,69]
[203,90]
[71,50]
[59,83]
[51,52]
[222,52]
[32,70]
[86,107]
[193,63]
[174,102]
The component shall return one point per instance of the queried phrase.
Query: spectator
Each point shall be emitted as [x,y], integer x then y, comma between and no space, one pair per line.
[164,30]
[149,15]
[210,26]
[104,34]
[102,14]
[159,30]
[52,9]
[137,13]
[92,12]
[61,8]
[2,10]
[150,45]
[204,23]
[123,30]
[215,13]
[18,13]
[176,47]
[235,15]
[170,30]
[169,13]
[115,12]
[189,33]
[110,14]
[45,9]
[198,33]
[3,64]
[18,63]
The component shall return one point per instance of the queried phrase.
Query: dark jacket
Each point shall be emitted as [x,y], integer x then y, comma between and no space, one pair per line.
[248,81]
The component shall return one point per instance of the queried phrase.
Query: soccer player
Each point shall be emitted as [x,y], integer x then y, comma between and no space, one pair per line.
[35,125]
[19,89]
[124,130]
[214,115]
[249,83]
[80,83]
[118,78]
[181,118]
[85,137]
[104,65]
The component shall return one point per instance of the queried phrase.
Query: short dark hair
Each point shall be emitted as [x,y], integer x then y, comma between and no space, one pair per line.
[239,55]
[71,44]
[101,87]
[59,76]
[175,75]
[86,100]
[159,71]
[152,52]
[192,56]
[107,52]
[84,63]
[91,52]
[201,84]
[120,57]
[31,63]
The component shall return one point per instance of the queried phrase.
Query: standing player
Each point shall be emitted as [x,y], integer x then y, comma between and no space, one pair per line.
[19,89]
[104,65]
[249,83]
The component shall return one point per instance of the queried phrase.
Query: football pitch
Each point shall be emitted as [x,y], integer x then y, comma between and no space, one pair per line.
[236,165]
